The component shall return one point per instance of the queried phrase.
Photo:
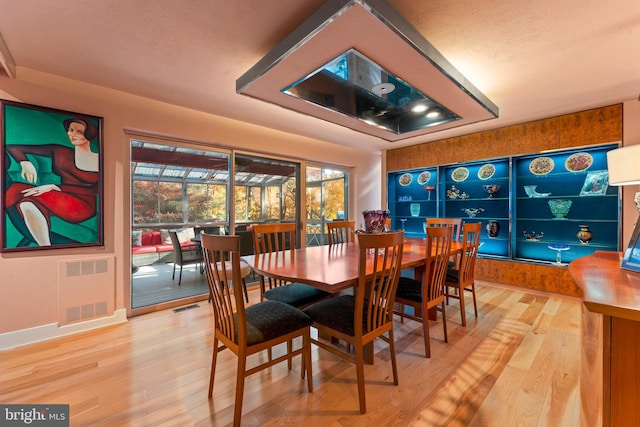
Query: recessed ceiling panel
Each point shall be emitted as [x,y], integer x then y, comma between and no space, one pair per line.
[294,74]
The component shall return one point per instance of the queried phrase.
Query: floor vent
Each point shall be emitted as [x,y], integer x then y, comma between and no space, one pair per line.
[188,307]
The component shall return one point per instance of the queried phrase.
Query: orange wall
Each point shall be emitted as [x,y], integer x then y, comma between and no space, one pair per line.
[30,290]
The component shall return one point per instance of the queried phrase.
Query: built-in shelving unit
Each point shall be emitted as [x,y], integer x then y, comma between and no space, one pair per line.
[519,201]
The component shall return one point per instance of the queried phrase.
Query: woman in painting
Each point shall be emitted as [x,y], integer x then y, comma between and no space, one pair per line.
[73,198]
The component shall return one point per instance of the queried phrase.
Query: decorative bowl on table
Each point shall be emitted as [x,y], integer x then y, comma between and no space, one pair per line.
[560,208]
[374,220]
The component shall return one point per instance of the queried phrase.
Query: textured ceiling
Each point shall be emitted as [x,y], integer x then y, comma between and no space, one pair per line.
[532,59]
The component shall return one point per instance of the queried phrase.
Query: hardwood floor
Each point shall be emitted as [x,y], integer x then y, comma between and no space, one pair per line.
[518,364]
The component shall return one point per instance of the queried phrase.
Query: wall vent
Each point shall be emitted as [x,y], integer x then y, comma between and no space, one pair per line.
[86,289]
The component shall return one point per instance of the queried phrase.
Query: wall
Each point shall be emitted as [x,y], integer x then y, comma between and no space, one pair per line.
[592,127]
[31,288]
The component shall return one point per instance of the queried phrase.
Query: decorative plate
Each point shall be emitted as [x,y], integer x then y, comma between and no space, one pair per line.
[578,162]
[460,174]
[405,179]
[486,171]
[424,177]
[541,165]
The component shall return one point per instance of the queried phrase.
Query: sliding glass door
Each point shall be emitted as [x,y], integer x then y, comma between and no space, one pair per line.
[265,191]
[174,189]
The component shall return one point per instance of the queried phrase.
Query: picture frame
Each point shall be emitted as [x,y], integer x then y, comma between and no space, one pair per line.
[51,180]
[596,183]
[631,257]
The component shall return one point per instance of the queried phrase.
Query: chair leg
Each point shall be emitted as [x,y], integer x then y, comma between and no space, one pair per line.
[463,313]
[246,294]
[242,367]
[360,377]
[425,332]
[180,278]
[392,351]
[473,293]
[306,360]
[173,276]
[289,350]
[444,322]
[214,357]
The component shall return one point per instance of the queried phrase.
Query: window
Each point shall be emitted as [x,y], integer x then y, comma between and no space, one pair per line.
[177,185]
[326,200]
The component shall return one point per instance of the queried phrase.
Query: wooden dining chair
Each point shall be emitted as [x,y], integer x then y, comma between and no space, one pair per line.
[462,278]
[341,231]
[359,319]
[279,239]
[249,330]
[456,223]
[245,268]
[430,292]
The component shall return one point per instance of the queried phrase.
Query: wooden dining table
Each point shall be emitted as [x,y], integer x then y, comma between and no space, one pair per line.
[334,268]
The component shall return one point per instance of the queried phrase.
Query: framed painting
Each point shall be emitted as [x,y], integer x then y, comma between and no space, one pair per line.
[51,178]
[631,258]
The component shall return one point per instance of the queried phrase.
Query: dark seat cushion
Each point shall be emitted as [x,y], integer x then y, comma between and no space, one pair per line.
[295,294]
[271,319]
[453,275]
[409,289]
[336,313]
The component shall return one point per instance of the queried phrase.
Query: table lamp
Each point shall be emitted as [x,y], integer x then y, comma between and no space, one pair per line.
[624,169]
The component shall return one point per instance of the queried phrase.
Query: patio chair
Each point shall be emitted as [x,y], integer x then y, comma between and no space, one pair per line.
[183,255]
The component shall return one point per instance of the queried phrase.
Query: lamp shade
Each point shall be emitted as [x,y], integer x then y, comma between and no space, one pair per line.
[624,165]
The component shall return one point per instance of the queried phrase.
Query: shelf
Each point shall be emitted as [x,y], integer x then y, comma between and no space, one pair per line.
[512,207]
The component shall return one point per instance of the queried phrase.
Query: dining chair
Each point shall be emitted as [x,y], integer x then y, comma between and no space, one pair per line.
[456,223]
[341,231]
[245,268]
[249,330]
[183,255]
[429,293]
[279,239]
[368,314]
[462,278]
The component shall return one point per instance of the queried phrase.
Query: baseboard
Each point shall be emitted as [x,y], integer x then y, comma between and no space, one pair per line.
[11,340]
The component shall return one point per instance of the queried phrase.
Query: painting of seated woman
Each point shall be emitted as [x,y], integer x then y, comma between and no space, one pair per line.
[52,178]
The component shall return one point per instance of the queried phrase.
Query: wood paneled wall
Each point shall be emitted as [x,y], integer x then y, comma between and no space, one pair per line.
[592,127]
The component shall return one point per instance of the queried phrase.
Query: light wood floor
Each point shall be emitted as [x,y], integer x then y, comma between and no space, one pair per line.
[517,365]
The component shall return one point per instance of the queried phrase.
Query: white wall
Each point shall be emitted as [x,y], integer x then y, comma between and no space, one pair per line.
[29,281]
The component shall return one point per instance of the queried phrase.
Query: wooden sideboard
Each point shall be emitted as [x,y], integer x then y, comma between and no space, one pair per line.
[610,340]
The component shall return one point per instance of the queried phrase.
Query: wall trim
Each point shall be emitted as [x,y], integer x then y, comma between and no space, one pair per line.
[13,339]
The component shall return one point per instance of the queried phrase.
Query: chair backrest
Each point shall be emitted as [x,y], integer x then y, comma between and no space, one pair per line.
[222,281]
[437,262]
[471,243]
[341,231]
[274,237]
[177,249]
[439,222]
[378,273]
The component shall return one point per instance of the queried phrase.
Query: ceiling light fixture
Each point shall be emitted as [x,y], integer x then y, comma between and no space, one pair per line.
[328,70]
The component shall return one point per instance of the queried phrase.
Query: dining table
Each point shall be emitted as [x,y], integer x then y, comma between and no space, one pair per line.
[334,268]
